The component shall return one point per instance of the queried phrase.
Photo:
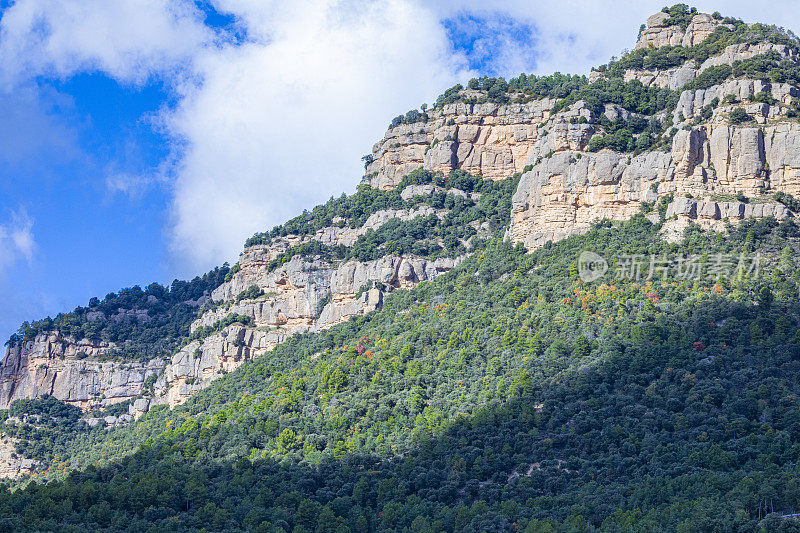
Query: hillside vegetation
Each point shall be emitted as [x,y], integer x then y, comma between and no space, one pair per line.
[508,394]
[508,391]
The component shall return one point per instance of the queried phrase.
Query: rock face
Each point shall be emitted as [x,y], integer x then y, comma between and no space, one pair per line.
[67,369]
[11,465]
[676,77]
[388,273]
[496,140]
[563,194]
[658,33]
[198,363]
[691,103]
[488,139]
[300,296]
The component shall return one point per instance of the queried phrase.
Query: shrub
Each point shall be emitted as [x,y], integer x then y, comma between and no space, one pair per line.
[739,116]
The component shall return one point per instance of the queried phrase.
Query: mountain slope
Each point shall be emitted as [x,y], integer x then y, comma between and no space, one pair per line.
[667,400]
[429,353]
[700,117]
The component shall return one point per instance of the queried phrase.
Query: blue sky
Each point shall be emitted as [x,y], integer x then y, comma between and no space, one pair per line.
[55,160]
[144,142]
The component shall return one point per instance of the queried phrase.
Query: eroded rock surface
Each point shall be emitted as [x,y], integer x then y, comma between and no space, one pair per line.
[565,193]
[68,370]
[489,139]
[12,466]
[660,33]
[300,296]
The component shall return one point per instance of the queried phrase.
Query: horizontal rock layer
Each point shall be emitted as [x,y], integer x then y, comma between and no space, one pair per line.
[488,139]
[67,369]
[565,193]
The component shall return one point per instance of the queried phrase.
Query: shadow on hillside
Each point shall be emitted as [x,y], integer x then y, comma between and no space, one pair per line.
[695,428]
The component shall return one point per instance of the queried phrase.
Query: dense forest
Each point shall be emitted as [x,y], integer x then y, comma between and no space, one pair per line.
[143,323]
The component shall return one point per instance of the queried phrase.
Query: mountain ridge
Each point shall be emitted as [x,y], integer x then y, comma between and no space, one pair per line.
[534,160]
[429,354]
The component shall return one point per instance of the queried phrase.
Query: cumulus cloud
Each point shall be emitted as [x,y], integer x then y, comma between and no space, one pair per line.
[280,123]
[16,238]
[130,40]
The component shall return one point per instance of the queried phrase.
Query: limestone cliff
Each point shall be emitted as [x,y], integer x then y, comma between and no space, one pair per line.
[489,139]
[565,193]
[299,296]
[495,140]
[661,32]
[68,369]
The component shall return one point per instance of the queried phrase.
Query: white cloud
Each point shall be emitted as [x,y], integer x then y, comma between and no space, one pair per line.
[16,239]
[280,124]
[127,39]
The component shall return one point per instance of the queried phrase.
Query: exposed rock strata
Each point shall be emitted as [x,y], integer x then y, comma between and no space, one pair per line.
[11,465]
[691,103]
[299,296]
[676,77]
[198,363]
[658,33]
[565,193]
[488,139]
[68,370]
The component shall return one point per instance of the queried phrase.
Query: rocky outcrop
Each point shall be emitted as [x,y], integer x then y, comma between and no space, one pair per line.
[673,78]
[712,210]
[565,193]
[387,273]
[302,295]
[68,370]
[711,214]
[489,139]
[198,363]
[293,292]
[722,158]
[13,466]
[676,77]
[660,33]
[742,51]
[691,103]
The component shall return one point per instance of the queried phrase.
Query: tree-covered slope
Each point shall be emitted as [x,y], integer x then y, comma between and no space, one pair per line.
[509,393]
[142,323]
[506,392]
